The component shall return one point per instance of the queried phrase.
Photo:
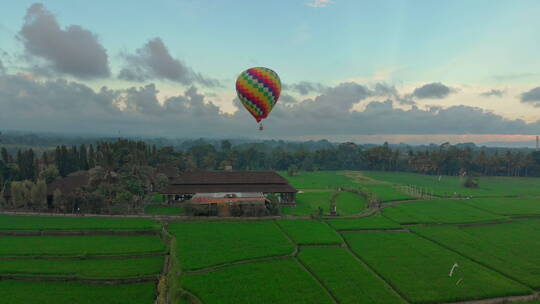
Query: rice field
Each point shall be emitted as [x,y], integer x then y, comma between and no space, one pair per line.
[363,223]
[48,223]
[100,245]
[277,282]
[85,268]
[309,232]
[41,292]
[507,206]
[448,186]
[512,248]
[346,277]
[438,211]
[419,269]
[205,244]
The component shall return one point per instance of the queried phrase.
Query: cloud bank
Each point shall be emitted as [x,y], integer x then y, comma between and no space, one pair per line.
[153,61]
[72,51]
[435,90]
[532,96]
[493,92]
[60,105]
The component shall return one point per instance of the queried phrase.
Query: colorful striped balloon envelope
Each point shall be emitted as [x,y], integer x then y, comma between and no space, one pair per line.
[258,89]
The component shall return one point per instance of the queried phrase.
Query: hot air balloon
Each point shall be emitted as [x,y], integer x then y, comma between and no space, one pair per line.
[258,89]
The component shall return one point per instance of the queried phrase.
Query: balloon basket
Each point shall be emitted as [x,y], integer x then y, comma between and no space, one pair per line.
[261,126]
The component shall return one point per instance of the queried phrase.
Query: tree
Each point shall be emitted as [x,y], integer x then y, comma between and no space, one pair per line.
[91,157]
[3,201]
[162,181]
[21,194]
[5,155]
[226,145]
[58,199]
[83,158]
[292,170]
[38,196]
[49,174]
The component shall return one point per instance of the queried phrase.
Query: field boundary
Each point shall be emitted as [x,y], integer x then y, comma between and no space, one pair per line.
[242,262]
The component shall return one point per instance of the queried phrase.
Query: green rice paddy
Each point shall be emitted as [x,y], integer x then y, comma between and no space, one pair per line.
[205,244]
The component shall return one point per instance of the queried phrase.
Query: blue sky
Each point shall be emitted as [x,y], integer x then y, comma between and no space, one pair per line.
[469,46]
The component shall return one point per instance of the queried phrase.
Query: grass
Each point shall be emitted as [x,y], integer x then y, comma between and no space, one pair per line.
[363,223]
[512,248]
[88,268]
[45,223]
[438,211]
[419,269]
[78,245]
[329,180]
[507,206]
[158,198]
[277,282]
[383,191]
[348,203]
[386,192]
[309,232]
[37,292]
[159,209]
[309,203]
[205,244]
[348,279]
[490,186]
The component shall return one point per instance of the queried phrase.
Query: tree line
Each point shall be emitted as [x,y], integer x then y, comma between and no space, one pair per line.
[121,170]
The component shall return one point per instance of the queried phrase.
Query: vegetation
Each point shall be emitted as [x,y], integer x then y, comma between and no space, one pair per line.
[278,282]
[85,268]
[419,269]
[79,245]
[448,186]
[309,232]
[345,276]
[205,244]
[511,248]
[507,206]
[73,292]
[309,203]
[319,180]
[160,209]
[363,223]
[438,211]
[350,203]
[46,223]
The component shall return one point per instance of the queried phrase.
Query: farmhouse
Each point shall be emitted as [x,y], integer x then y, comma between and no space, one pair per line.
[229,188]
